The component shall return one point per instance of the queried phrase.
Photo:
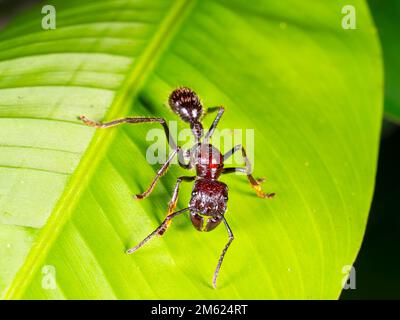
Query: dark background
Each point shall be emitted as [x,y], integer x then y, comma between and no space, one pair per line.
[378,262]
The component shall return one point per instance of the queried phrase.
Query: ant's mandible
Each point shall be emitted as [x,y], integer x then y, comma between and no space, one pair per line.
[207,205]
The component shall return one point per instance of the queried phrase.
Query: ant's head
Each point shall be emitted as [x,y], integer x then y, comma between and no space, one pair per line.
[185,103]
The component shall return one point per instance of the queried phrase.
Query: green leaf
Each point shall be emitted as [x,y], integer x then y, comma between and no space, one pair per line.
[387,18]
[311,90]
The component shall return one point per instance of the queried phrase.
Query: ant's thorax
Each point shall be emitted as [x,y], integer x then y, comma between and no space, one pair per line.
[207,160]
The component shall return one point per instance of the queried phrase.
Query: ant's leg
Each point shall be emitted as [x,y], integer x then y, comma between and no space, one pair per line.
[255,183]
[162,121]
[210,110]
[160,173]
[215,122]
[132,120]
[174,199]
[221,257]
[160,230]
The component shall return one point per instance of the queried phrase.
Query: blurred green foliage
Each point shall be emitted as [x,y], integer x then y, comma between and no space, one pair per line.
[386,14]
[378,263]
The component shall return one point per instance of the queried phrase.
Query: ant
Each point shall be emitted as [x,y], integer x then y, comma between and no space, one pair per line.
[208,202]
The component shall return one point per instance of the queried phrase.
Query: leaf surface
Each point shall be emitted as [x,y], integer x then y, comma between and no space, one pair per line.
[310,90]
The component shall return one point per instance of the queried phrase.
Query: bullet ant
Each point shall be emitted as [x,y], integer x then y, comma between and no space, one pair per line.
[209,197]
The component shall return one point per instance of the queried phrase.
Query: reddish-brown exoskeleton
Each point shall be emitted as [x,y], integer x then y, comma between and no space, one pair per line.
[207,205]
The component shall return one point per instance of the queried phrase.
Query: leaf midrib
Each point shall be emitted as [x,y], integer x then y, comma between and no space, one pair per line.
[135,78]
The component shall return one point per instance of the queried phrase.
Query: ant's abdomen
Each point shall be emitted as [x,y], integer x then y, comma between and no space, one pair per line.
[208,203]
[204,223]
